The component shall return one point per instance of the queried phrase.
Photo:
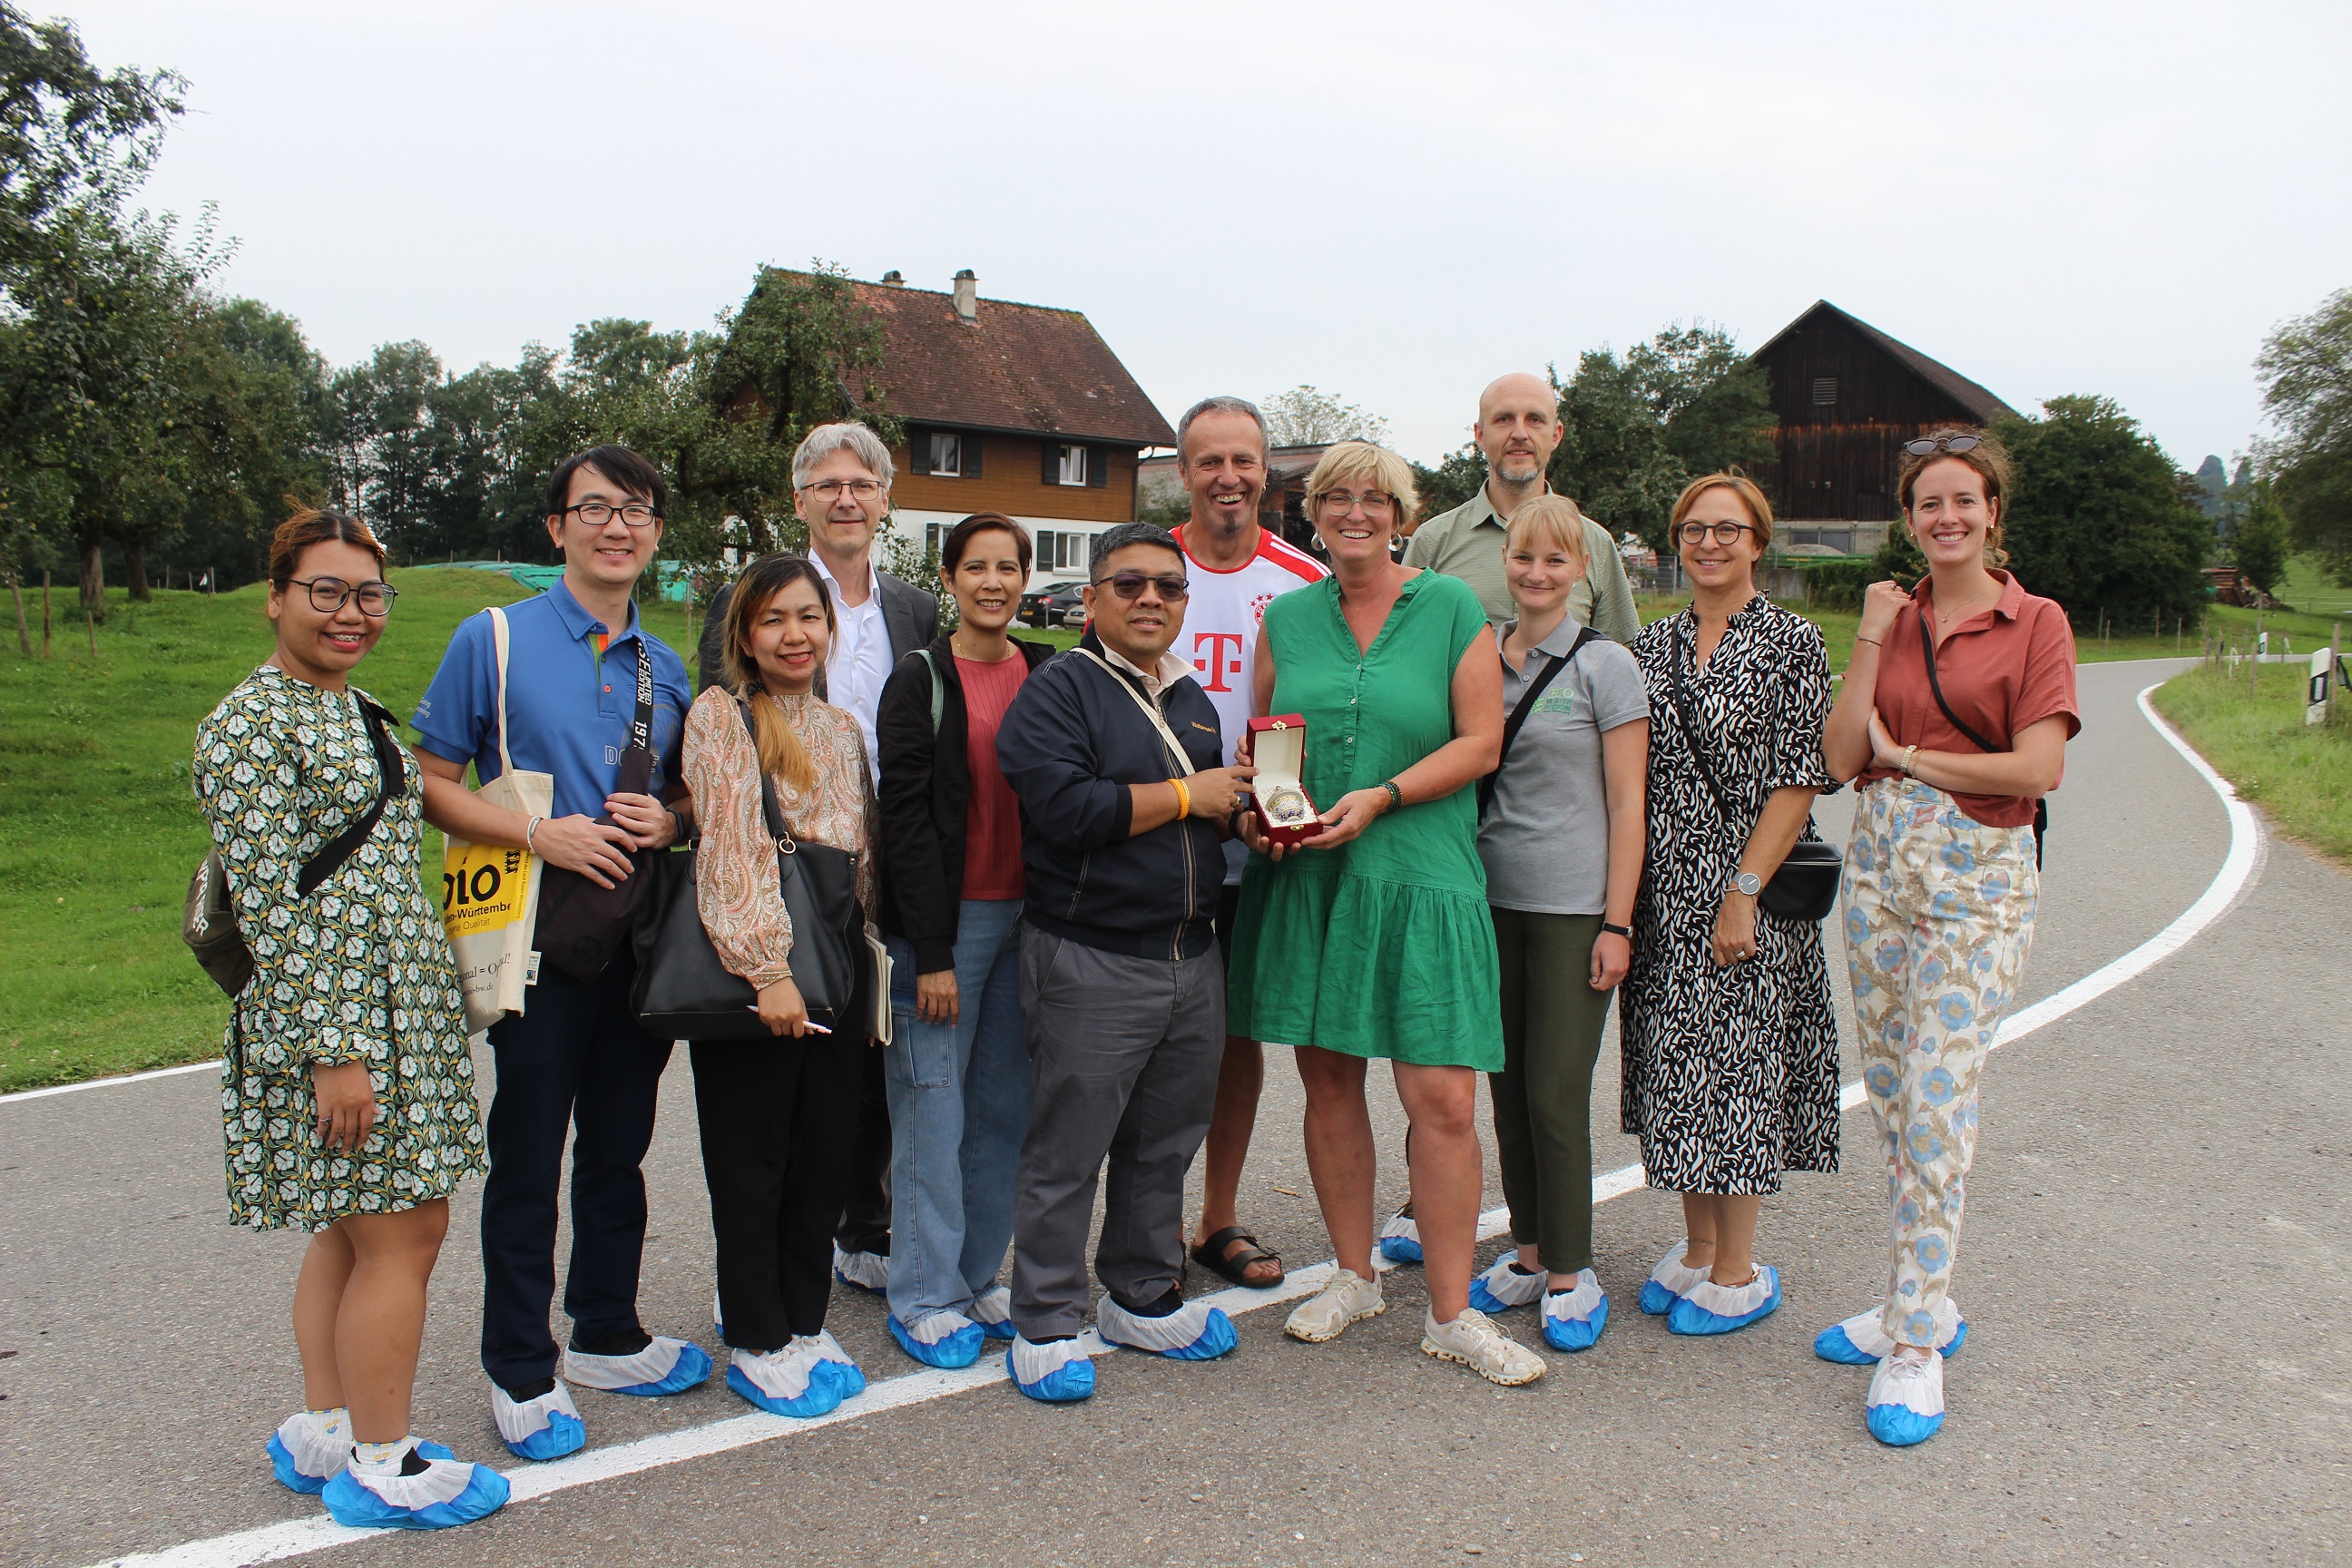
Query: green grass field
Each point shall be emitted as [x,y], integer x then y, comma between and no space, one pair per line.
[98,832]
[2301,775]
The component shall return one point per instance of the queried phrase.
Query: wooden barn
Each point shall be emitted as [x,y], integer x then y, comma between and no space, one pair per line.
[1847,397]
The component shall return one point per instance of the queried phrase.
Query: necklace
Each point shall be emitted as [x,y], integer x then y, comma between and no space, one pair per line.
[1946,617]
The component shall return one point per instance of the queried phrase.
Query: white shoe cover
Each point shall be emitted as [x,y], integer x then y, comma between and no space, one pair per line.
[785,1374]
[1034,1364]
[1866,1331]
[1346,1298]
[1193,1332]
[867,1270]
[318,1443]
[1400,1237]
[1472,1339]
[521,1423]
[649,1371]
[992,1306]
[1906,1397]
[440,1481]
[1505,1287]
[1670,1281]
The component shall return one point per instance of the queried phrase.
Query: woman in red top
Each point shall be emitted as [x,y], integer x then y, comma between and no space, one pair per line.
[957,1068]
[1958,706]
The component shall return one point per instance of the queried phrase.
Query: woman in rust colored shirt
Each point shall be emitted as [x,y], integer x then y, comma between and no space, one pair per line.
[1958,706]
[776,1115]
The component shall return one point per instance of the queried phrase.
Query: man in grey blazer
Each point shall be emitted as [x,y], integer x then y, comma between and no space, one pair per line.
[841,490]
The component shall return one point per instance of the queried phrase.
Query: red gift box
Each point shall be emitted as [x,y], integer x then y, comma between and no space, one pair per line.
[1278,750]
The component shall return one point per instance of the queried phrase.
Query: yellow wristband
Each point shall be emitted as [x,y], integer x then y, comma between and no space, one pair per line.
[1910,755]
[1183,799]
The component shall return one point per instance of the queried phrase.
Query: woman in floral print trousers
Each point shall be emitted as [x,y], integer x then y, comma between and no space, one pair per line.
[1958,706]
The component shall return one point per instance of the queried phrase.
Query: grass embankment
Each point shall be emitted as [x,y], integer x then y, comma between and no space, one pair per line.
[99,828]
[2299,774]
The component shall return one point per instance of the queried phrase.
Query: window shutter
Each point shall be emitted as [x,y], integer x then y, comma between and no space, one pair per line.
[1098,468]
[1046,550]
[1824,391]
[1051,470]
[918,450]
[970,454]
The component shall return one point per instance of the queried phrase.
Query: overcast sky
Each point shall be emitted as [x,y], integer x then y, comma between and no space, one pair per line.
[1392,202]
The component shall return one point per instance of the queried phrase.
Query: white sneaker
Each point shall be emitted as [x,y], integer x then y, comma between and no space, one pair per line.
[1346,1298]
[1472,1339]
[1502,1287]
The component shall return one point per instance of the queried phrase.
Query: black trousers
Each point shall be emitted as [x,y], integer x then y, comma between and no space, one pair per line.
[575,1063]
[778,1117]
[865,1199]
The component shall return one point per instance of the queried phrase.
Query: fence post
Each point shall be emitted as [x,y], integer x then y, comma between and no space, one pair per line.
[45,615]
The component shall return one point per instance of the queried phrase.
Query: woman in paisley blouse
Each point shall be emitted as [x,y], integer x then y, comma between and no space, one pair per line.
[1730,1071]
[348,1089]
[778,1115]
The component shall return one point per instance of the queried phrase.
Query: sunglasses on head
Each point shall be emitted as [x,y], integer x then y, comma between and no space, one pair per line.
[1926,445]
[1129,585]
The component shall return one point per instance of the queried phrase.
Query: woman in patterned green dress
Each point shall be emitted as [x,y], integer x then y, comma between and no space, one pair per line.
[348,1088]
[1373,939]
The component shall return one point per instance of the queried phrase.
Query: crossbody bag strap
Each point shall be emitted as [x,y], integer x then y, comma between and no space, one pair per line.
[1691,736]
[769,808]
[641,726]
[1928,657]
[1150,710]
[498,639]
[391,771]
[1527,705]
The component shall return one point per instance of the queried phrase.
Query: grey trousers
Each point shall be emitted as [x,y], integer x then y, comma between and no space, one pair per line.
[1126,1053]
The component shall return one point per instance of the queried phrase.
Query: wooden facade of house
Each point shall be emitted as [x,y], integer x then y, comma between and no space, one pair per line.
[1847,395]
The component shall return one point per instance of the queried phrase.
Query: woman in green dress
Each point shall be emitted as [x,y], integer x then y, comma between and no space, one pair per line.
[347,1093]
[1372,939]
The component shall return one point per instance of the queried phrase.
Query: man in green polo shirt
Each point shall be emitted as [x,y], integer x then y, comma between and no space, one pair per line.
[1518,430]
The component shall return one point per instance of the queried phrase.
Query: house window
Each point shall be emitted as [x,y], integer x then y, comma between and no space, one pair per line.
[934,536]
[1058,551]
[946,454]
[1824,391]
[1072,466]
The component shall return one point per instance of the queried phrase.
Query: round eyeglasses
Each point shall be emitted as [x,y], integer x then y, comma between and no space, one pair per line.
[328,594]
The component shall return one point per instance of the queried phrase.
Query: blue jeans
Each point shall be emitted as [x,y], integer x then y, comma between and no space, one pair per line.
[958,1109]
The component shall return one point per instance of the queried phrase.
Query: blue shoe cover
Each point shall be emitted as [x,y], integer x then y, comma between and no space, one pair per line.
[1668,1281]
[547,1428]
[1499,1288]
[1572,1320]
[1193,1332]
[992,1311]
[868,1271]
[957,1348]
[664,1366]
[353,1503]
[823,1396]
[1401,1239]
[1712,1308]
[1860,1341]
[289,1474]
[1062,1372]
[1906,1399]
[809,1377]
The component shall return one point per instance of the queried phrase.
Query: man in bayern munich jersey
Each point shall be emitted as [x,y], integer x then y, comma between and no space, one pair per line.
[1236,568]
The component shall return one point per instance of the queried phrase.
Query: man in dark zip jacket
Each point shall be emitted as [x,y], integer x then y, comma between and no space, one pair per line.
[1113,751]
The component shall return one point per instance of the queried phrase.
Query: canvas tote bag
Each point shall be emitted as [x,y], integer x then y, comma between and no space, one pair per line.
[489,893]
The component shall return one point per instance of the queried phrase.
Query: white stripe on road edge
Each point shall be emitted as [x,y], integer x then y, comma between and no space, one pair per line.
[212,1065]
[296,1537]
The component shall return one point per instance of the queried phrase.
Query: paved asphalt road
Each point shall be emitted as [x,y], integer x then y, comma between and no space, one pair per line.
[2155,1270]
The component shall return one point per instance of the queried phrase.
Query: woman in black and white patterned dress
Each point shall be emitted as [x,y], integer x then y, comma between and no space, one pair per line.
[1730,1050]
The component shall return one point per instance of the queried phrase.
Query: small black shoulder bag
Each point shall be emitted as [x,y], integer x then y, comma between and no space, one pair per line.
[2041,803]
[1805,888]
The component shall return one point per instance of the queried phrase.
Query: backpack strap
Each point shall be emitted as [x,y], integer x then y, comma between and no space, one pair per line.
[939,690]
[1527,706]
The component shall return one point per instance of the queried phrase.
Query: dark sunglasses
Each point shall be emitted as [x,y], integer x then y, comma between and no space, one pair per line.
[1926,445]
[1129,585]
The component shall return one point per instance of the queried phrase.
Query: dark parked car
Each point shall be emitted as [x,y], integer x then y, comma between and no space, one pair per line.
[1054,604]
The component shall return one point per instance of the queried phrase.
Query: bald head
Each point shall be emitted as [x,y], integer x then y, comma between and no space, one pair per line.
[1519,427]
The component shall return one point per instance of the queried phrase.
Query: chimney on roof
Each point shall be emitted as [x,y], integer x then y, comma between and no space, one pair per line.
[894,279]
[967,295]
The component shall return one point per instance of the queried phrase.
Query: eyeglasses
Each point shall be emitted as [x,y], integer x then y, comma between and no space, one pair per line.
[1725,533]
[1129,585]
[327,594]
[596,513]
[862,489]
[1375,503]
[1926,445]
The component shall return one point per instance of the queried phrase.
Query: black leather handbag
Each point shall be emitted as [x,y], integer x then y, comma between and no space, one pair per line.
[683,992]
[1805,888]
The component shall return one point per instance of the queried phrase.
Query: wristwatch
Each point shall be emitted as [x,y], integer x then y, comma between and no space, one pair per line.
[1625,931]
[1747,882]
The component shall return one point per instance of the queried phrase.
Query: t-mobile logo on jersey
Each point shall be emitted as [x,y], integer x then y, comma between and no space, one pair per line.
[1217,655]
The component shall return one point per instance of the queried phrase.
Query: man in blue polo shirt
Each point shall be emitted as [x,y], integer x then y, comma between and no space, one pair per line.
[575,1058]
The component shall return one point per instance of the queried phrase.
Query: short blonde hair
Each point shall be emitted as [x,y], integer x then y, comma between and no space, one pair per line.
[1554,520]
[1353,462]
[1760,510]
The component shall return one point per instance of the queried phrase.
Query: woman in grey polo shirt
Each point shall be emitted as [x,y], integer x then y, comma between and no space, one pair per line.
[1561,834]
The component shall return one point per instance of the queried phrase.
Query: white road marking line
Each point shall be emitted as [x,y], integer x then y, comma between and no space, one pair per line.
[212,1065]
[296,1537]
